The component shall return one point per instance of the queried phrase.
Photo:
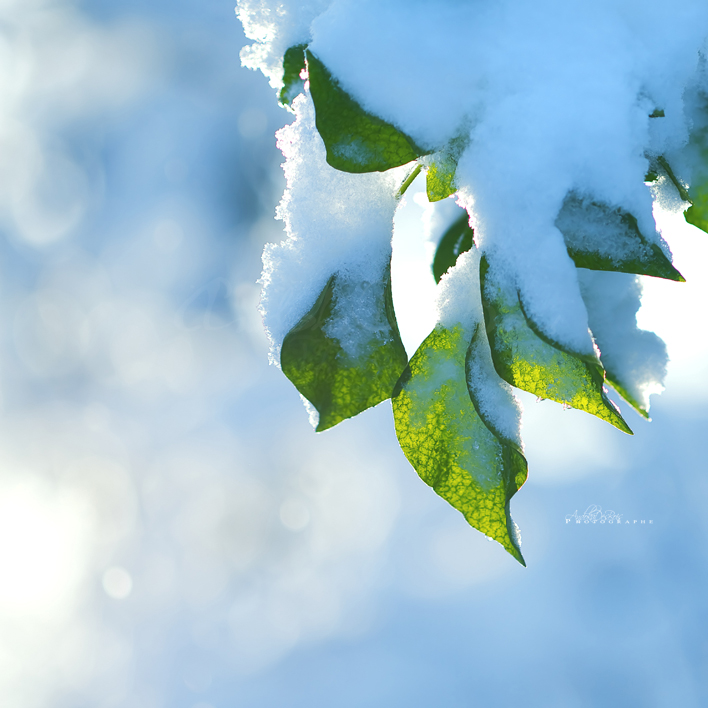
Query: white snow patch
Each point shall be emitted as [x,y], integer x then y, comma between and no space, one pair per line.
[634,357]
[336,223]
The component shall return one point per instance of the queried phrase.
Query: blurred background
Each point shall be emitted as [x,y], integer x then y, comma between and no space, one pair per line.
[172,532]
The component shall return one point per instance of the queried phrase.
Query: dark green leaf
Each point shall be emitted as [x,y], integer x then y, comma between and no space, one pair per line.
[337,384]
[456,240]
[534,363]
[599,237]
[293,64]
[449,445]
[356,141]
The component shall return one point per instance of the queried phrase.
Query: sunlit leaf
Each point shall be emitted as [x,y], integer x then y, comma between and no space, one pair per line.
[293,64]
[697,213]
[355,140]
[599,237]
[532,363]
[456,240]
[449,445]
[338,384]
[440,178]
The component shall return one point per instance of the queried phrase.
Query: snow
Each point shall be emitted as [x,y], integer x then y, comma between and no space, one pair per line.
[591,227]
[637,359]
[336,223]
[555,98]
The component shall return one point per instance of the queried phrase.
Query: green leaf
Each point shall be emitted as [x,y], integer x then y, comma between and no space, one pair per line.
[293,64]
[355,140]
[440,178]
[338,384]
[449,445]
[697,213]
[697,193]
[536,364]
[599,237]
[456,240]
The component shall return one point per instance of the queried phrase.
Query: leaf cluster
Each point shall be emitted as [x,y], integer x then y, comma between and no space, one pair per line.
[442,422]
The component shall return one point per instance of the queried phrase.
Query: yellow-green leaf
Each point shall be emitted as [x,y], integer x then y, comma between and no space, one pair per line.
[449,445]
[440,178]
[532,363]
[442,166]
[340,384]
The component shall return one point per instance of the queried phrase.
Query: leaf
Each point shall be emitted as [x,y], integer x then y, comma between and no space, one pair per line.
[533,363]
[355,140]
[293,64]
[456,240]
[697,193]
[449,445]
[599,237]
[440,178]
[697,213]
[613,380]
[634,359]
[338,384]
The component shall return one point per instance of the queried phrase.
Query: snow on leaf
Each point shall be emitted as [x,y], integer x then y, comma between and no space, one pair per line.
[449,445]
[356,141]
[533,363]
[634,359]
[440,178]
[599,237]
[338,381]
[697,213]
[293,64]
